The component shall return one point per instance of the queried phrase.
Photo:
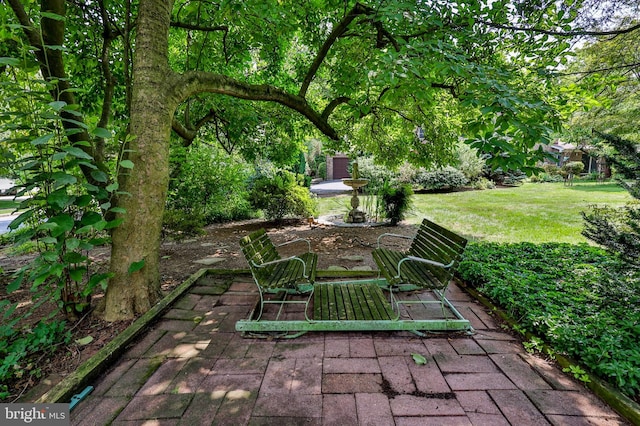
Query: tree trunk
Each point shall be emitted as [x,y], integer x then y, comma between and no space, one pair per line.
[138,237]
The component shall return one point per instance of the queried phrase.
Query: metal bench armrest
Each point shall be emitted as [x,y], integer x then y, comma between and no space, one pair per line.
[273,262]
[406,237]
[295,241]
[421,260]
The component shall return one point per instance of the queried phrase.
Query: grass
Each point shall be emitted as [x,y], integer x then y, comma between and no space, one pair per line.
[533,212]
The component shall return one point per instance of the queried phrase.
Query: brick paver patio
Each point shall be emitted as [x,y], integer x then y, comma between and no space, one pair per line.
[192,368]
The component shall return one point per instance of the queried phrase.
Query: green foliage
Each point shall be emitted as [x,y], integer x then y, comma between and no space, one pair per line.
[280,193]
[445,178]
[207,185]
[321,170]
[470,163]
[66,212]
[483,183]
[396,202]
[619,229]
[583,302]
[182,223]
[572,168]
[19,348]
[377,174]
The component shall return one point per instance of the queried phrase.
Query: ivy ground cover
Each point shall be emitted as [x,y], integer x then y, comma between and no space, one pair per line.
[581,300]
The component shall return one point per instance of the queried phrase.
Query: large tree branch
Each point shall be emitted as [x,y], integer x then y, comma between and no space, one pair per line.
[191,83]
[337,31]
[333,105]
[189,132]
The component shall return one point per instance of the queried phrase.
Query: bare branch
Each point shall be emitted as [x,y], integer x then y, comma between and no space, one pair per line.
[195,27]
[559,33]
[617,67]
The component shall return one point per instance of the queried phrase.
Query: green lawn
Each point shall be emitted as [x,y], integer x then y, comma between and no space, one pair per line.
[532,212]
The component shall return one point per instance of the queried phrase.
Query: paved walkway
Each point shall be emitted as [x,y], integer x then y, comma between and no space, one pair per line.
[192,368]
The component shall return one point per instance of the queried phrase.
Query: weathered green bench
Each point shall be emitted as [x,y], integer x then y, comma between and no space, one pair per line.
[429,263]
[274,274]
[344,305]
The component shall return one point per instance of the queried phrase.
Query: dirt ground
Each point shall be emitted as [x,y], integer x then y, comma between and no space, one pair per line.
[337,247]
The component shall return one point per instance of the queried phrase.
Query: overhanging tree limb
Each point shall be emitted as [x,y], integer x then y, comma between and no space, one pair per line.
[337,31]
[193,82]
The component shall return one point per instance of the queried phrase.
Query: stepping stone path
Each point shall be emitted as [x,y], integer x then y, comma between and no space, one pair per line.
[209,260]
[354,258]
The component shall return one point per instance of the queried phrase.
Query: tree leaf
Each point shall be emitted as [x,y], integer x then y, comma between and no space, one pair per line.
[419,359]
[64,223]
[99,176]
[9,61]
[42,139]
[126,164]
[77,152]
[84,341]
[51,15]
[136,266]
[57,105]
[18,220]
[101,133]
[62,178]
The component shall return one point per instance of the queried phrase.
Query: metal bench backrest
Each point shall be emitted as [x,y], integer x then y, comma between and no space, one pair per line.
[437,243]
[258,249]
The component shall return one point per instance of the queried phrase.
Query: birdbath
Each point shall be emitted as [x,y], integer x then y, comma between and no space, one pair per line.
[355,215]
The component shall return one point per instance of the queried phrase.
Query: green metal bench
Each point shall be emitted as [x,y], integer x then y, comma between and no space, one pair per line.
[429,263]
[274,274]
[334,306]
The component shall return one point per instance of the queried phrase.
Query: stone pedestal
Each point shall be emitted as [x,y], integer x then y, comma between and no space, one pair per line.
[355,215]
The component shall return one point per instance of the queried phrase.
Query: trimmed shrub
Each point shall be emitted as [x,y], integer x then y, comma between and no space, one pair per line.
[282,194]
[483,183]
[207,186]
[445,178]
[321,170]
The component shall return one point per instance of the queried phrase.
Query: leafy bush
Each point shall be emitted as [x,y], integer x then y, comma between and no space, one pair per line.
[619,229]
[183,223]
[483,183]
[396,202]
[584,302]
[511,178]
[445,178]
[18,348]
[572,168]
[377,174]
[282,194]
[469,163]
[546,178]
[207,186]
[321,169]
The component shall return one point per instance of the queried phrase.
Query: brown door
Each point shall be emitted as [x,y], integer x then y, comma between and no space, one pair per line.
[340,165]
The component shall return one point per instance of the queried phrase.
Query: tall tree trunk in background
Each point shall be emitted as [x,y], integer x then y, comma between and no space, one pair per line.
[137,239]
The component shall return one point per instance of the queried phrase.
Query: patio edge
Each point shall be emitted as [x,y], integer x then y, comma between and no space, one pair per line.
[94,366]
